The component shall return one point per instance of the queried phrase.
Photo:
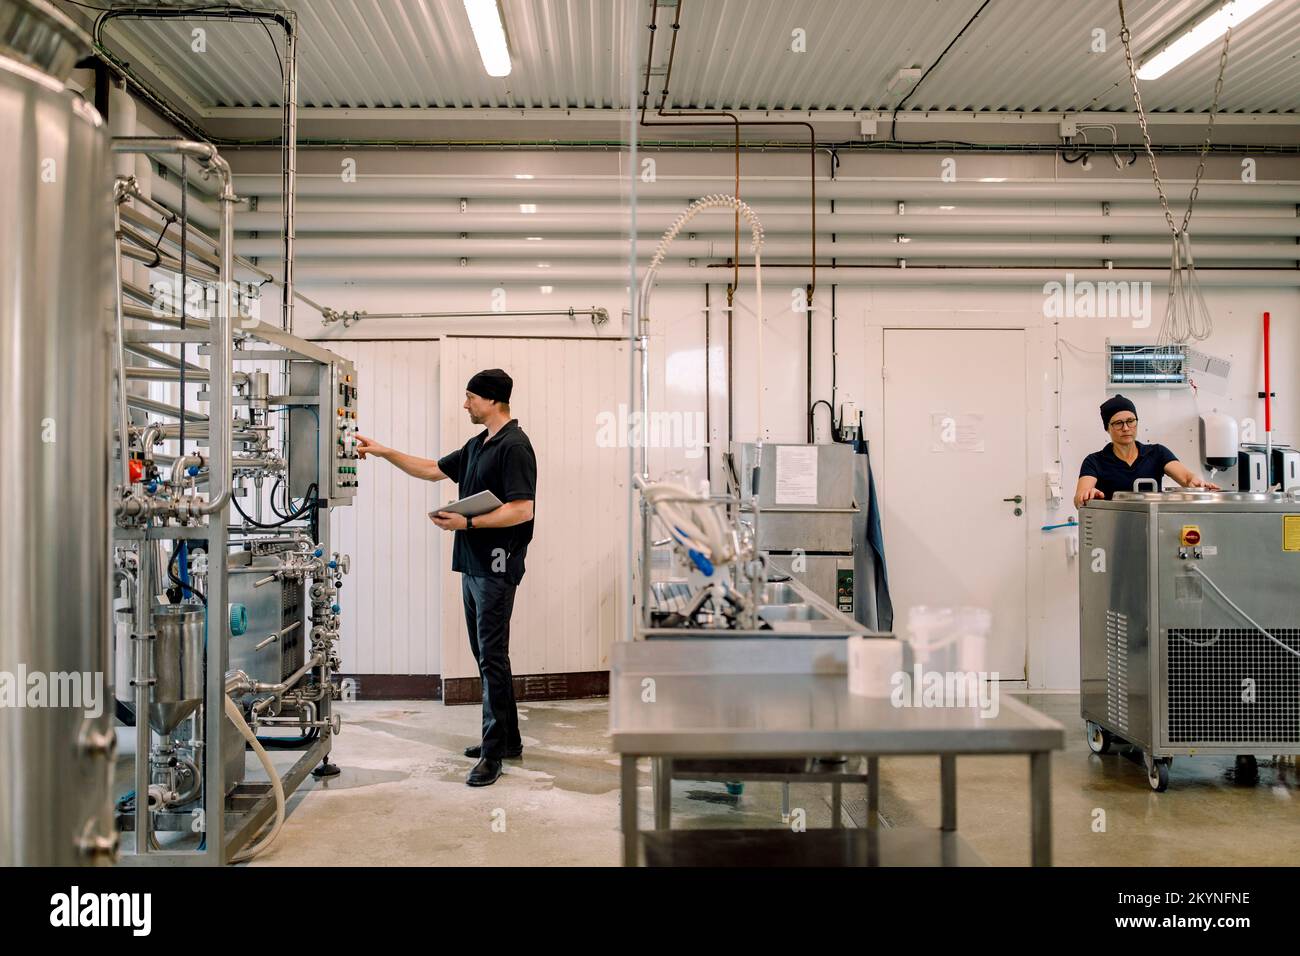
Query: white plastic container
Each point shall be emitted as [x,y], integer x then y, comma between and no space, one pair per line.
[949,639]
[873,664]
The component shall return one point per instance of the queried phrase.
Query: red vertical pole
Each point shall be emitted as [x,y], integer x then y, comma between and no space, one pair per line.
[1268,390]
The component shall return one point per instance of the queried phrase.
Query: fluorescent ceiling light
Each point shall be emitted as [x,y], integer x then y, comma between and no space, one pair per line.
[524,176]
[546,289]
[1188,44]
[490,35]
[527,207]
[533,238]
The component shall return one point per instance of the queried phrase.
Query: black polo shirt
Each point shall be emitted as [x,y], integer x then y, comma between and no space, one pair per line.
[1114,474]
[507,467]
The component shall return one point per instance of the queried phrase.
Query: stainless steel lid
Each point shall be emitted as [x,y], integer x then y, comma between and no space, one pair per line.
[1204,497]
[35,32]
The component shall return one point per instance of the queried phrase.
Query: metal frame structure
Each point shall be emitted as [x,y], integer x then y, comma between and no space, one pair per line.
[762,700]
[150,510]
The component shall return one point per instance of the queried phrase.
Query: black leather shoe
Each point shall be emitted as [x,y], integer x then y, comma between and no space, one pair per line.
[485,773]
[477,752]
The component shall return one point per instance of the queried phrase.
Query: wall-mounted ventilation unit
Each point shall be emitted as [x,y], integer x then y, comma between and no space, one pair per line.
[1149,366]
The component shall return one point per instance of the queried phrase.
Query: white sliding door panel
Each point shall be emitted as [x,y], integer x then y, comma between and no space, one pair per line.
[391,599]
[569,607]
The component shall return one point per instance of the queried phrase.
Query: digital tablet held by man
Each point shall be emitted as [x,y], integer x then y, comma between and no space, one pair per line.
[488,549]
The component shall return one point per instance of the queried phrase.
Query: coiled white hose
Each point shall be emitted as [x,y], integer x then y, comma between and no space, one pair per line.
[277,788]
[691,518]
[713,201]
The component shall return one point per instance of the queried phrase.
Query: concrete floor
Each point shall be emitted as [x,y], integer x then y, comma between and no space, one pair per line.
[402,800]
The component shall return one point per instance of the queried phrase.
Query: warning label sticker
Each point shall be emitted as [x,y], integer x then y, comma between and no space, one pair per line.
[1291,532]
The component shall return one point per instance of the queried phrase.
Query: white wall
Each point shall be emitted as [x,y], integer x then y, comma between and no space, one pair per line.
[1168,416]
[863,312]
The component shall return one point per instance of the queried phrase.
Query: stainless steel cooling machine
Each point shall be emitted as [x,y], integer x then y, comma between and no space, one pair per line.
[1190,626]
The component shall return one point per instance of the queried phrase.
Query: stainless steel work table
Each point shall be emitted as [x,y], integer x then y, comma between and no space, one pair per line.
[789,698]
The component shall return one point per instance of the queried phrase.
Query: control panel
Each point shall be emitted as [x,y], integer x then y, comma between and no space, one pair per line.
[323,434]
[1192,546]
[344,443]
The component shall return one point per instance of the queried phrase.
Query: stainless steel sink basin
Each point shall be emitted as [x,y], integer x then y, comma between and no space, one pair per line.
[787,611]
[791,612]
[781,593]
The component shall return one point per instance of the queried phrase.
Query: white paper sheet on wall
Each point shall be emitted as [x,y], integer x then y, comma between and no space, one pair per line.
[956,432]
[796,475]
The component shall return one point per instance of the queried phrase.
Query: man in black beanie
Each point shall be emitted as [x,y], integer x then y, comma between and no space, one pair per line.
[1126,460]
[488,550]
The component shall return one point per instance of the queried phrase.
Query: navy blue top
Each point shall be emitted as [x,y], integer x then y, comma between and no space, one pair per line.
[1113,474]
[507,467]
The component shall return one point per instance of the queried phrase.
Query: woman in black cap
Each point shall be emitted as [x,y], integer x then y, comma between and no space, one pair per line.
[1126,460]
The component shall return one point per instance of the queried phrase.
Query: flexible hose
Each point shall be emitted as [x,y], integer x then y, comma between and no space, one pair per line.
[1232,604]
[306,511]
[183,581]
[277,788]
[691,518]
[291,743]
[713,201]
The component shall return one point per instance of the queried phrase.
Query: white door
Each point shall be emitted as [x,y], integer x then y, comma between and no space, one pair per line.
[390,599]
[954,448]
[571,605]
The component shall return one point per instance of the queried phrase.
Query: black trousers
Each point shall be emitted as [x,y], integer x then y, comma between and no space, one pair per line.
[488,603]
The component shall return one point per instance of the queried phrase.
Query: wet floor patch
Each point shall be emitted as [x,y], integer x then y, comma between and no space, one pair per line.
[715,797]
[353,778]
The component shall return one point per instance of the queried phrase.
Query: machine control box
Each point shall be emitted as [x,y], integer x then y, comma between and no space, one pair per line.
[844,590]
[323,436]
[344,444]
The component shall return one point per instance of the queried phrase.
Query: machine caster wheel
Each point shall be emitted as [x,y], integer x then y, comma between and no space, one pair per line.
[1158,774]
[1247,769]
[735,789]
[326,769]
[1099,739]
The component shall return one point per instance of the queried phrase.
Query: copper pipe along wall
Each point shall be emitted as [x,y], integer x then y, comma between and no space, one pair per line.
[663,99]
[812,149]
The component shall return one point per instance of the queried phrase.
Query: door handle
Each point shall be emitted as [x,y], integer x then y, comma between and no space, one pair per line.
[1017,499]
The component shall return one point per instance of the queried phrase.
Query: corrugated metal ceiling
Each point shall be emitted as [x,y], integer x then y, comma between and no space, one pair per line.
[1018,55]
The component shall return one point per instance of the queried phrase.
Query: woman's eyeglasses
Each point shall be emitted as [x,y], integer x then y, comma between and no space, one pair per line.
[1124,423]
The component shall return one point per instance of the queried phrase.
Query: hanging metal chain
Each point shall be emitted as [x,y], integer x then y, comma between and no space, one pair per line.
[1125,38]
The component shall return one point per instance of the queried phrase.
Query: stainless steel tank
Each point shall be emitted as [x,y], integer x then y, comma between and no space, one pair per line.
[177,664]
[56,758]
